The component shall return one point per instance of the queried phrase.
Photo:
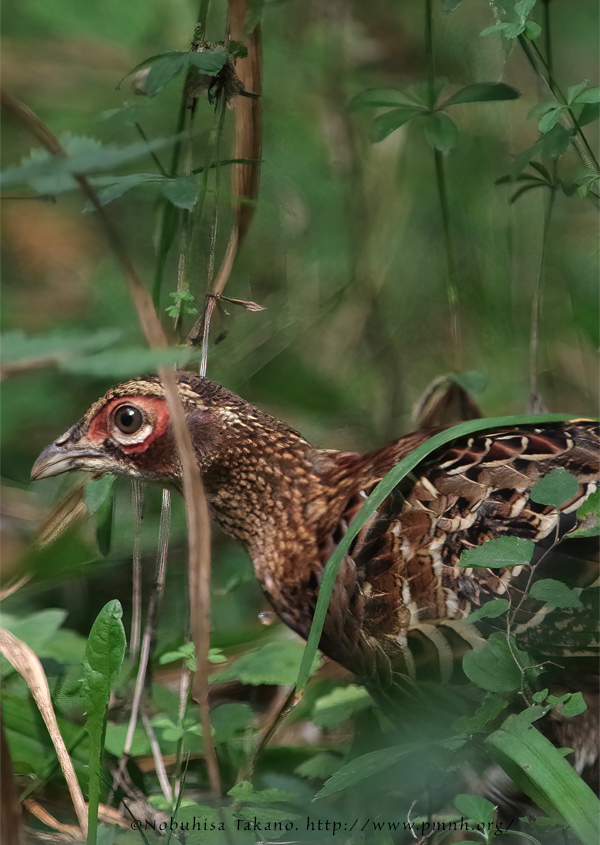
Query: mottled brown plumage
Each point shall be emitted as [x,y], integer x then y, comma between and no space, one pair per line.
[400,598]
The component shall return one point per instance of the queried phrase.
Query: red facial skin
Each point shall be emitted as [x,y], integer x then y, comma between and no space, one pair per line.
[156,412]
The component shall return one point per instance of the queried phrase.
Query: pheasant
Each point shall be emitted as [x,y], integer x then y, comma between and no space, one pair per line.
[400,595]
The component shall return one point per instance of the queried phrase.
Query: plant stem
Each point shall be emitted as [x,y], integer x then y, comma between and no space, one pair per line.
[440,174]
[535,310]
[167,215]
[429,54]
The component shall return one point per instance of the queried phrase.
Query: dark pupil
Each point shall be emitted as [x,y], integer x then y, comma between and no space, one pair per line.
[128,419]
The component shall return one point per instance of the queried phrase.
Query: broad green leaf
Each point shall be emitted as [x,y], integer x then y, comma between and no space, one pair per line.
[245,793]
[524,7]
[498,553]
[489,610]
[556,141]
[541,108]
[18,347]
[121,363]
[572,704]
[589,113]
[84,155]
[532,30]
[539,769]
[121,184]
[96,492]
[274,663]
[498,28]
[492,706]
[589,516]
[114,741]
[35,629]
[550,119]
[573,91]
[339,705]
[554,593]
[375,98]
[182,192]
[322,765]
[385,124]
[361,768]
[165,66]
[475,807]
[103,658]
[440,131]
[494,667]
[481,92]
[227,720]
[555,488]
[590,95]
[513,30]
[376,498]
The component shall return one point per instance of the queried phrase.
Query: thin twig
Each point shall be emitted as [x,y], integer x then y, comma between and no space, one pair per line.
[137,498]
[149,631]
[193,488]
[184,693]
[159,764]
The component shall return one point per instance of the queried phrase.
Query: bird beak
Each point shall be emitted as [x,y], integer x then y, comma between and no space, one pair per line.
[58,459]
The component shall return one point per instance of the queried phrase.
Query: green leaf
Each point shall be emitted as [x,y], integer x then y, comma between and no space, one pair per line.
[385,124]
[476,808]
[96,492]
[494,667]
[18,347]
[532,30]
[555,593]
[375,98]
[492,706]
[573,91]
[114,741]
[572,704]
[556,141]
[339,705]
[35,629]
[539,769]
[513,30]
[450,5]
[182,192]
[245,793]
[274,663]
[489,610]
[588,516]
[121,184]
[123,363]
[492,30]
[440,131]
[227,720]
[555,488]
[524,7]
[481,92]
[589,113]
[550,119]
[361,768]
[591,95]
[322,765]
[166,66]
[377,497]
[52,174]
[541,108]
[498,553]
[103,658]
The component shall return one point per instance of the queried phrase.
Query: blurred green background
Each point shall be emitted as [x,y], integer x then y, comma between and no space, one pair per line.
[345,251]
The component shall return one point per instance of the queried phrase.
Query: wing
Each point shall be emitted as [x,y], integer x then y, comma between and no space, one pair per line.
[411,590]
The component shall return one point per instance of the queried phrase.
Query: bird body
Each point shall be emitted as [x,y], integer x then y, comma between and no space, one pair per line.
[400,595]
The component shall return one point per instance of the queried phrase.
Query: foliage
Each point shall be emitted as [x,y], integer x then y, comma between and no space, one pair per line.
[365,255]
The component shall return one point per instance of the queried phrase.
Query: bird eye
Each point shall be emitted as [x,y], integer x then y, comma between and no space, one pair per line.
[128,419]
